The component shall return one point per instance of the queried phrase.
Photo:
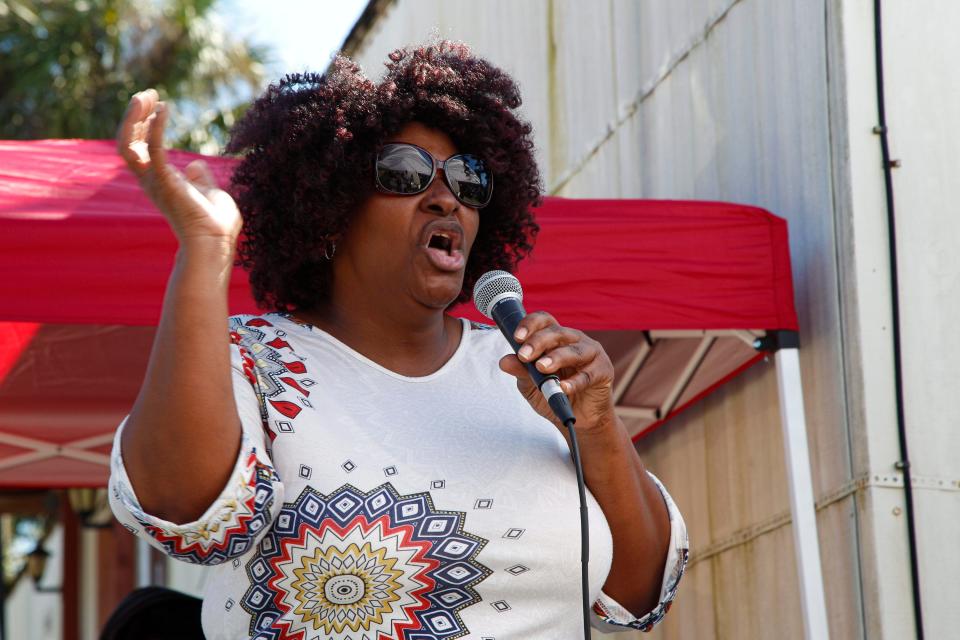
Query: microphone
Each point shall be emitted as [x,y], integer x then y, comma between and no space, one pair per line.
[499,296]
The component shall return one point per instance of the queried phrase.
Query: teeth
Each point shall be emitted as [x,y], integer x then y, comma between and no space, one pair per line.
[441,241]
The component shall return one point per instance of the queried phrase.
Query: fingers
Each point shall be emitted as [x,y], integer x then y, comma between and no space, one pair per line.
[158,155]
[200,176]
[578,360]
[533,322]
[542,333]
[510,364]
[574,356]
[131,132]
[589,376]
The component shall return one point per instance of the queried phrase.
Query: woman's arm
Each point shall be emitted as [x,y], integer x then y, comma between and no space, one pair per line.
[634,509]
[630,499]
[182,438]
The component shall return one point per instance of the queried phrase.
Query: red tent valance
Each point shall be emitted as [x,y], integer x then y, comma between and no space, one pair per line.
[81,243]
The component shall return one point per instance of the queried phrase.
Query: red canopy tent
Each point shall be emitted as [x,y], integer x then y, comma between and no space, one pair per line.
[683,295]
[678,292]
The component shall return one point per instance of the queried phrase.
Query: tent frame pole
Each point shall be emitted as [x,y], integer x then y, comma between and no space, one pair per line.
[802,507]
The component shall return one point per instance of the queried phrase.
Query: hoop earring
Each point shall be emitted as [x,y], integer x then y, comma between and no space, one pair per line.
[328,253]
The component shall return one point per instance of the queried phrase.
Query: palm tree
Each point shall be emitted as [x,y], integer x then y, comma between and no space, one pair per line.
[68,67]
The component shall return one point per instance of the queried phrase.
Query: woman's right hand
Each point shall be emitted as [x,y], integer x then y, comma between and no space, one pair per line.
[196,208]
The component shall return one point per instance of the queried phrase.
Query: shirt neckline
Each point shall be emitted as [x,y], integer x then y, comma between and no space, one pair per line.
[308,329]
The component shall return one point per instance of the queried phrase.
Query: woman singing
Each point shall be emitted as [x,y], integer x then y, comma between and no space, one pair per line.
[356,462]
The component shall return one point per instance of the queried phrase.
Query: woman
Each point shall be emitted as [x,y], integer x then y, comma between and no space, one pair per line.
[356,463]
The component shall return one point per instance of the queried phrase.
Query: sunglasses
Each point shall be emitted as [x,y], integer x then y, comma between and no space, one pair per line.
[406,169]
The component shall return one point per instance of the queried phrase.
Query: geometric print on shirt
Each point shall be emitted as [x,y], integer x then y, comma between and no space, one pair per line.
[219,540]
[651,619]
[363,565]
[271,373]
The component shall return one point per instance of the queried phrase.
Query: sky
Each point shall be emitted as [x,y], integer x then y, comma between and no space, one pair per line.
[302,33]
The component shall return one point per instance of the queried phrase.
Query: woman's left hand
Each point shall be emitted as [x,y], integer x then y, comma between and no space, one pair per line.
[584,369]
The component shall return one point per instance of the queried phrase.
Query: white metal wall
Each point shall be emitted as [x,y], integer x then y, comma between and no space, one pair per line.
[921,54]
[771,104]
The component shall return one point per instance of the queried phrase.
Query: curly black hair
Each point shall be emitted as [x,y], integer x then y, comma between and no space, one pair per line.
[309,144]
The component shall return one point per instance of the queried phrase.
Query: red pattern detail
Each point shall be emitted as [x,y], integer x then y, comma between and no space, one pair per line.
[278,343]
[293,383]
[288,409]
[239,529]
[248,365]
[257,322]
[295,367]
[365,526]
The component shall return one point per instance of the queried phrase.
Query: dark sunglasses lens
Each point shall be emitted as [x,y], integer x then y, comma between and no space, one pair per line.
[403,169]
[469,180]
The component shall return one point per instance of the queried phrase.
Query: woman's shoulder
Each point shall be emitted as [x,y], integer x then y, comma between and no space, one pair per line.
[275,321]
[479,326]
[266,319]
[487,338]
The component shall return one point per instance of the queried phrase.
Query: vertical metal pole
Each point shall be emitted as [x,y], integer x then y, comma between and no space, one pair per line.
[3,583]
[805,540]
[143,568]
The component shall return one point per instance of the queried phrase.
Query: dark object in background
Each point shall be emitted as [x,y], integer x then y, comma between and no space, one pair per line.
[155,613]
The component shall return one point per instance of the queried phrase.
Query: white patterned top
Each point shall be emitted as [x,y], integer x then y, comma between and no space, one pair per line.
[367,505]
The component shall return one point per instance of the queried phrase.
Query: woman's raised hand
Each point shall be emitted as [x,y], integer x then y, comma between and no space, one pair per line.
[197,210]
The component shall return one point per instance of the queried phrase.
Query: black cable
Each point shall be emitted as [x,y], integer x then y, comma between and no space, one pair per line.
[584,528]
[904,464]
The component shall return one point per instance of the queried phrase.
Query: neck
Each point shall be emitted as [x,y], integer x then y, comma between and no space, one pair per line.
[410,341]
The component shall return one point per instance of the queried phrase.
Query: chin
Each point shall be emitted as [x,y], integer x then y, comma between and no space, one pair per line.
[440,295]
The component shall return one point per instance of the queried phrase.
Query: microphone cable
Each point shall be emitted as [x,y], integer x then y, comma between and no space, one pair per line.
[499,296]
[584,526]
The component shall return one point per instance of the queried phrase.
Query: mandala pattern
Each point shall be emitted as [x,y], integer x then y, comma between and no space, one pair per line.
[365,566]
[232,532]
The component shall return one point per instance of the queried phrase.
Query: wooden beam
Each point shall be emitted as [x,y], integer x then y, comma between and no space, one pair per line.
[644,413]
[631,371]
[684,379]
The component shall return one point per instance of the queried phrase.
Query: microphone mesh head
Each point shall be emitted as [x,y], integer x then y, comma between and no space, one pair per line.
[491,286]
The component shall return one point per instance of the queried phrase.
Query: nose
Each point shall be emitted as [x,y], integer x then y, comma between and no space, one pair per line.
[438,198]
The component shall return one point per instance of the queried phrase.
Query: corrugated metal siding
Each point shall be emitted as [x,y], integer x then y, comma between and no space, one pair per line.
[719,99]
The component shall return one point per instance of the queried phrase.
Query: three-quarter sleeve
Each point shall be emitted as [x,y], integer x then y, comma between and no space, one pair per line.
[610,616]
[246,506]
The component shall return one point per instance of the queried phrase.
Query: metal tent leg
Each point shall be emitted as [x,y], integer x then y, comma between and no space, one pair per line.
[143,573]
[801,495]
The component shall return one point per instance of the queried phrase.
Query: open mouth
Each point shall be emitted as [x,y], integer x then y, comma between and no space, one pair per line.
[442,241]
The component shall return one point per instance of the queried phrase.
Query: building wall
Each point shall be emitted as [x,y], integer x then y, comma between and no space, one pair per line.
[922,100]
[717,100]
[922,54]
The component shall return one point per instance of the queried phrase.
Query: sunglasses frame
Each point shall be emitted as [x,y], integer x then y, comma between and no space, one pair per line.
[435,164]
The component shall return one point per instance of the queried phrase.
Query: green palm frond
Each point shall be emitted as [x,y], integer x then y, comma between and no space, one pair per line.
[68,67]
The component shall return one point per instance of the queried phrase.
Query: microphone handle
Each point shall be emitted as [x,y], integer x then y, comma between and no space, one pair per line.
[508,313]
